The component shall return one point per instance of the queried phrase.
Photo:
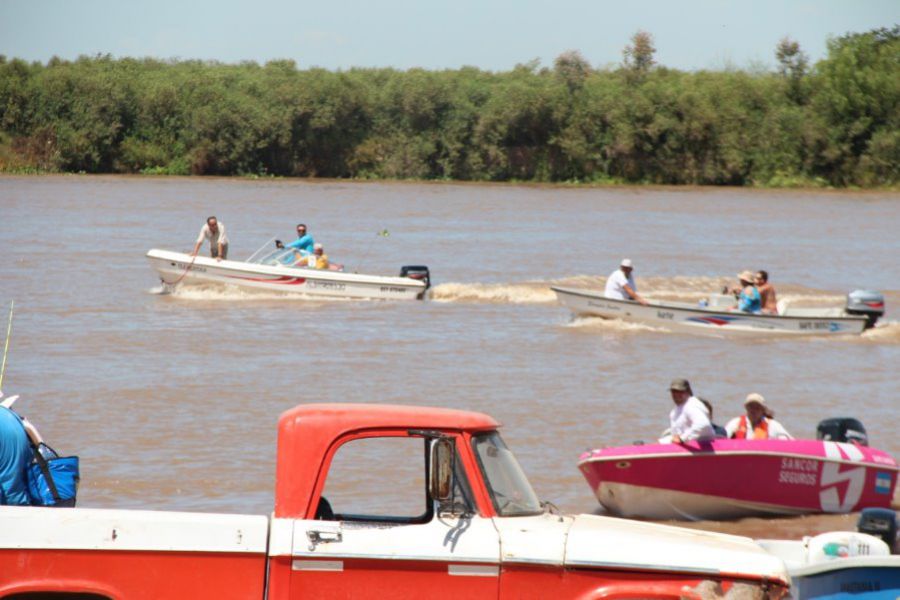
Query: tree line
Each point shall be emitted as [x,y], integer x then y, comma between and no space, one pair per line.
[836,122]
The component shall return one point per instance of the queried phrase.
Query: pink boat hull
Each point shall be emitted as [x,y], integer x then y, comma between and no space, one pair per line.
[727,479]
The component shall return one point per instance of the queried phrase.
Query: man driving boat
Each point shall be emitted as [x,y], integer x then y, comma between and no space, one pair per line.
[620,284]
[303,244]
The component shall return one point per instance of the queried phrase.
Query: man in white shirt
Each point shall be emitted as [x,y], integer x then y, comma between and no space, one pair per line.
[218,242]
[620,285]
[688,421]
[756,424]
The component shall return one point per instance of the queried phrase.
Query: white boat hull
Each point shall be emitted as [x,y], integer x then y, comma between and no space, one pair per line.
[645,502]
[178,268]
[698,319]
[838,564]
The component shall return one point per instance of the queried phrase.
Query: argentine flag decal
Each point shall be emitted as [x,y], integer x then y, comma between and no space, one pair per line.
[883,483]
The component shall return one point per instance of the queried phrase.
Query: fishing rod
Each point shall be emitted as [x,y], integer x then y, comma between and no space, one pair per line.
[6,346]
[382,233]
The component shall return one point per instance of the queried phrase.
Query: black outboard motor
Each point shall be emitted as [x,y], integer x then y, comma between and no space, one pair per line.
[842,429]
[866,303]
[419,272]
[880,522]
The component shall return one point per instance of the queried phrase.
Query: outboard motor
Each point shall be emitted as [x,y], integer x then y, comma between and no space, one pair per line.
[842,429]
[866,303]
[879,522]
[419,272]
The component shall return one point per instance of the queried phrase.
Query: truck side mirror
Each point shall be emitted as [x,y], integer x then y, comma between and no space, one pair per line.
[440,485]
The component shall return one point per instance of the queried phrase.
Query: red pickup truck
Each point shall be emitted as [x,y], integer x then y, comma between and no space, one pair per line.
[376,501]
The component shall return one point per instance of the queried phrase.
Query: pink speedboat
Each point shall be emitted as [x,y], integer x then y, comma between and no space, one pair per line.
[727,479]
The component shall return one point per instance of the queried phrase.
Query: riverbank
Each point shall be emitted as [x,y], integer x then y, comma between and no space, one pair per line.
[799,186]
[834,124]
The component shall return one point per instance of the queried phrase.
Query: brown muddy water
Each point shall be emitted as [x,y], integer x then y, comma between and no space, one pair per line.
[172,400]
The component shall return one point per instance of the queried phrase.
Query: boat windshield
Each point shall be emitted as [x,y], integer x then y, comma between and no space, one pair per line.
[278,257]
[283,257]
[510,491]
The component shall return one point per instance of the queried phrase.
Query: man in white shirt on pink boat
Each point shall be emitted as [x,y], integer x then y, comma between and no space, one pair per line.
[688,420]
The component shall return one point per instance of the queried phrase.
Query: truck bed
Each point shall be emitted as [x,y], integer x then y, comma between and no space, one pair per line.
[135,553]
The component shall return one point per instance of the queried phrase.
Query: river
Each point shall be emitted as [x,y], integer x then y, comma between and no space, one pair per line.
[171,401]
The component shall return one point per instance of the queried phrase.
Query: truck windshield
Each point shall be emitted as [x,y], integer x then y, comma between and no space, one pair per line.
[509,488]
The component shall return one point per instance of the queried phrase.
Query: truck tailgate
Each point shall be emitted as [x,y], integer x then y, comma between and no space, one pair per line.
[131,553]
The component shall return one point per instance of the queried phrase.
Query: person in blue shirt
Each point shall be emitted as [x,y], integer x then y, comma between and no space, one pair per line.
[749,299]
[15,456]
[304,242]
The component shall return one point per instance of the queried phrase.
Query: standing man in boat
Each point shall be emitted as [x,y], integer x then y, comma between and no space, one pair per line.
[756,424]
[218,242]
[303,244]
[620,284]
[766,293]
[688,421]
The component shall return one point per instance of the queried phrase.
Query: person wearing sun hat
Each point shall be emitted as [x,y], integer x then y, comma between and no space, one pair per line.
[749,299]
[756,424]
[620,284]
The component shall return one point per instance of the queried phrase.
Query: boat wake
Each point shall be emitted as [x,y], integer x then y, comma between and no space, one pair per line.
[228,293]
[886,332]
[494,293]
[679,288]
[611,325]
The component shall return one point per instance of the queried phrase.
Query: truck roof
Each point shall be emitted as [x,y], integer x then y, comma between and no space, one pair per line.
[306,432]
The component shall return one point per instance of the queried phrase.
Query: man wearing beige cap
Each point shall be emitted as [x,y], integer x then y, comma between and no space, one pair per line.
[688,421]
[756,424]
[620,285]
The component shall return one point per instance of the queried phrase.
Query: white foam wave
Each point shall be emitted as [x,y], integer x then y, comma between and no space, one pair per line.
[229,293]
[614,325]
[159,290]
[885,332]
[679,288]
[498,293]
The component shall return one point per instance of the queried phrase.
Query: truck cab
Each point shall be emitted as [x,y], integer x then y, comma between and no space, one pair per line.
[448,511]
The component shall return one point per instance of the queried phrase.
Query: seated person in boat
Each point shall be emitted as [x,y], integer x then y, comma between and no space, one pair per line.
[620,284]
[758,422]
[303,244]
[688,420]
[766,293]
[747,294]
[317,260]
[15,456]
[717,429]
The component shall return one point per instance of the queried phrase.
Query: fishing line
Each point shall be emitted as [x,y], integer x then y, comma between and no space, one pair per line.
[6,346]
[382,233]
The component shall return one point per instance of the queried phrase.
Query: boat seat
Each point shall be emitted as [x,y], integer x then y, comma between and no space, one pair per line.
[781,306]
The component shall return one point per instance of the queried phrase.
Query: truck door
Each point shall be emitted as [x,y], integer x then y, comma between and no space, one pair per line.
[379,534]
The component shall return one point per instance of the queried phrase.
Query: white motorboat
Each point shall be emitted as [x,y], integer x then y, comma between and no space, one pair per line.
[277,271]
[844,564]
[719,314]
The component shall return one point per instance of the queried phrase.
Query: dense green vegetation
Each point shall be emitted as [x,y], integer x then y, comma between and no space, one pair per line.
[836,123]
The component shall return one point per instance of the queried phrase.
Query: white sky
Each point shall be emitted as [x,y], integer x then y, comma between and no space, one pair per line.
[490,34]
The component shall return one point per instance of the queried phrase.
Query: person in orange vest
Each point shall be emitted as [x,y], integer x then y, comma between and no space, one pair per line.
[756,423]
